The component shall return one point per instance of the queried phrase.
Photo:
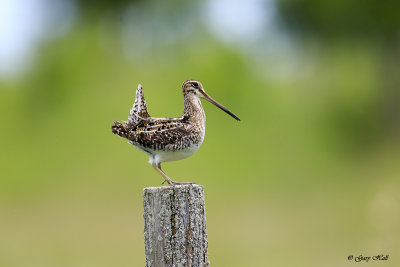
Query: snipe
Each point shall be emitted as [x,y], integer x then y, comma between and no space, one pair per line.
[168,139]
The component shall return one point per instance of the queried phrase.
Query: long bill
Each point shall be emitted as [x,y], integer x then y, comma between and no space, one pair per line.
[209,99]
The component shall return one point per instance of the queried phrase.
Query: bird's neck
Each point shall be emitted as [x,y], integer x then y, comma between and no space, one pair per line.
[193,110]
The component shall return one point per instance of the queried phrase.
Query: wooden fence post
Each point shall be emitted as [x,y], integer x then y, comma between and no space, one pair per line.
[175,226]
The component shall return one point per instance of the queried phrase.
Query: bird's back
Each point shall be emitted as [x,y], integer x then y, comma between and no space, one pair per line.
[159,134]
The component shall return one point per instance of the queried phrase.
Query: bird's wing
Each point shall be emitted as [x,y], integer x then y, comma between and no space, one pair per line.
[139,109]
[165,136]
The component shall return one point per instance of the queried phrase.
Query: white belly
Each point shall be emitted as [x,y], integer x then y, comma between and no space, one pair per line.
[159,156]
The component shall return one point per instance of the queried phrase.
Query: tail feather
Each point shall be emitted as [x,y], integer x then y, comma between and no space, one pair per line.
[119,129]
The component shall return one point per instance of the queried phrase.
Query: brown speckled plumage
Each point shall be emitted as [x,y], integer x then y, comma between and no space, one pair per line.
[166,139]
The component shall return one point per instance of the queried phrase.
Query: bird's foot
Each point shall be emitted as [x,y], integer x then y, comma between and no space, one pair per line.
[173,183]
[183,183]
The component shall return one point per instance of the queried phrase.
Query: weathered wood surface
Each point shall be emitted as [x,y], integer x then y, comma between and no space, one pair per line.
[175,226]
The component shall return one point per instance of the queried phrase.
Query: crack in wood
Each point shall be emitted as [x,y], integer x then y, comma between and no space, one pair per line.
[175,226]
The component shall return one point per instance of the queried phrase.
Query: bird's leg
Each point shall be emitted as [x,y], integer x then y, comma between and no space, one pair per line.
[157,167]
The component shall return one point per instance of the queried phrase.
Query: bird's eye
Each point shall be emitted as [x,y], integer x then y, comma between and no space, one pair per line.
[195,84]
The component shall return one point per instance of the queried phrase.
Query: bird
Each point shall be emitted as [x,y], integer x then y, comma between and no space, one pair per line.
[168,139]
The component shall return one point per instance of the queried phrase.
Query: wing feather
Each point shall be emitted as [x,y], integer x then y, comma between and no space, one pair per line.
[139,108]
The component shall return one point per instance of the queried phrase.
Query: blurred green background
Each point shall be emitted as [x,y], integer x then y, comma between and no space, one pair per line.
[308,177]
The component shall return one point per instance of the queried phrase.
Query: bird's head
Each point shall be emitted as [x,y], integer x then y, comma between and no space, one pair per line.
[195,88]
